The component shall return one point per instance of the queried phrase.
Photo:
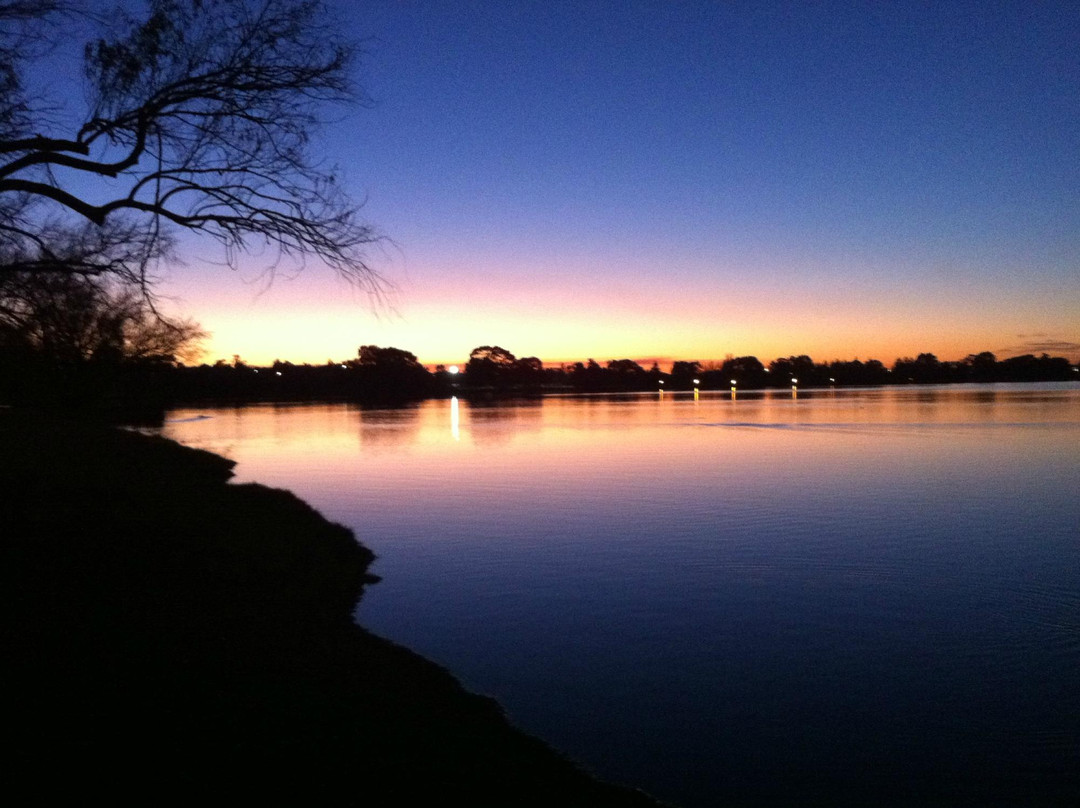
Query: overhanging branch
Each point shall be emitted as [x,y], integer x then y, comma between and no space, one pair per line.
[221,98]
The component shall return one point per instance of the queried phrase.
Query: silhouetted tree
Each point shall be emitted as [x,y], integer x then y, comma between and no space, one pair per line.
[391,372]
[490,366]
[588,376]
[86,344]
[923,369]
[199,119]
[683,373]
[62,317]
[626,374]
[1028,368]
[981,367]
[747,371]
[855,372]
[802,367]
[529,372]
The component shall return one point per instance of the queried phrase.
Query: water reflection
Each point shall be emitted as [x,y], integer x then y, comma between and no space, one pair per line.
[391,430]
[855,596]
[495,423]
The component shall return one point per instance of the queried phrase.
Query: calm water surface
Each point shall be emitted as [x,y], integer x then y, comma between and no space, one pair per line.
[852,597]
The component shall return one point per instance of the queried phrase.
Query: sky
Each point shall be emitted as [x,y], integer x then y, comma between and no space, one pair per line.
[689,180]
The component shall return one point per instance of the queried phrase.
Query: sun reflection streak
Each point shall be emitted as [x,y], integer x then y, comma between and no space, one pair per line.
[455,422]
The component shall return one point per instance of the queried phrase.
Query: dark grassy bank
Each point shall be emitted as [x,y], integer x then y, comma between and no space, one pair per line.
[168,635]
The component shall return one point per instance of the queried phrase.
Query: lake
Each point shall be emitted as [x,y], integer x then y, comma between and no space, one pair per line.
[834,597]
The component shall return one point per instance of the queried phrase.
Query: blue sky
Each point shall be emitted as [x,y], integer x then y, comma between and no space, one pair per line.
[688,180]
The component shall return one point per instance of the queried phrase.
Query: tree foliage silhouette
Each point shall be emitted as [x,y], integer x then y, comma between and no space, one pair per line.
[199,118]
[66,317]
[489,365]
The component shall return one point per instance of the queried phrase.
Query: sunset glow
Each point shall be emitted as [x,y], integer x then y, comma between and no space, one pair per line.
[834,183]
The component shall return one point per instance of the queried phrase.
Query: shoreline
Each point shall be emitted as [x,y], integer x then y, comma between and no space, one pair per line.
[169,629]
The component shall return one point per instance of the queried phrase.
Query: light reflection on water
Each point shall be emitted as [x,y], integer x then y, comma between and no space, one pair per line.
[848,596]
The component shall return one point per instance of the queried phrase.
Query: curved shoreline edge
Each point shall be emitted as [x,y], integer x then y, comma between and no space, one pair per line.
[169,634]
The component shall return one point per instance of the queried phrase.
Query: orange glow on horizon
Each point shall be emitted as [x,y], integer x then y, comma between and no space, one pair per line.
[316,340]
[441,318]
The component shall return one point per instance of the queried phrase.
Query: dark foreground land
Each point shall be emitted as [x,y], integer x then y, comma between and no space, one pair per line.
[168,636]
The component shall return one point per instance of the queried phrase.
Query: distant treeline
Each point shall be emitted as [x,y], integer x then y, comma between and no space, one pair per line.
[494,367]
[389,375]
[384,374]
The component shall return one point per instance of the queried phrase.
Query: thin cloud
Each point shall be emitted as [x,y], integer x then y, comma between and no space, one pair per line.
[1058,347]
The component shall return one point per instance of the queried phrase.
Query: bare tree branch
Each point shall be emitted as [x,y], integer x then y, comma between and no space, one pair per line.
[203,110]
